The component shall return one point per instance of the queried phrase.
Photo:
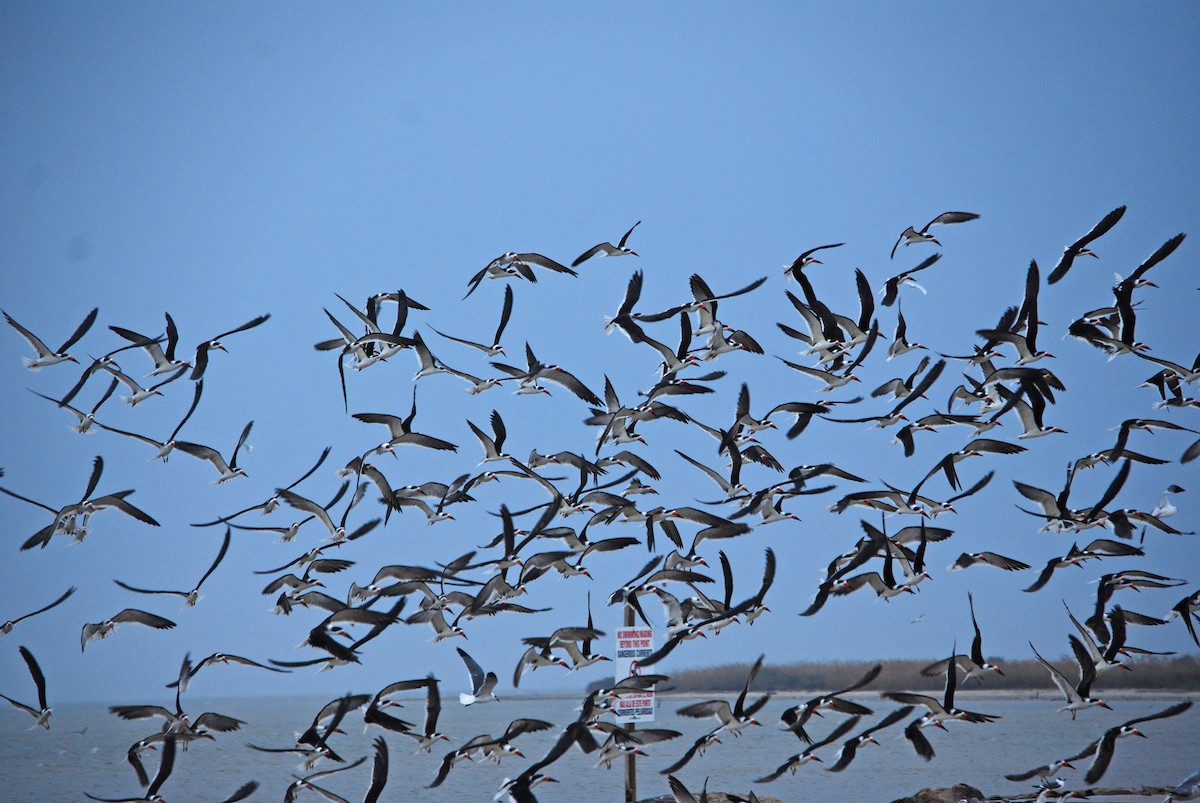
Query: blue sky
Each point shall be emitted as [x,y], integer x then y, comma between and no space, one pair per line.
[220,161]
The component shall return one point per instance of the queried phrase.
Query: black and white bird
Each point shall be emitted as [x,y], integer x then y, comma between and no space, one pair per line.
[512,265]
[101,630]
[1078,695]
[191,597]
[973,665]
[165,765]
[41,714]
[942,710]
[734,718]
[1080,248]
[401,431]
[796,716]
[226,469]
[495,348]
[910,235]
[200,361]
[482,684]
[608,249]
[46,356]
[1103,749]
[217,658]
[850,747]
[86,420]
[809,753]
[7,627]
[163,358]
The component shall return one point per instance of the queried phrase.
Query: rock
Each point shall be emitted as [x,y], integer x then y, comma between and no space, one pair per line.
[955,794]
[714,797]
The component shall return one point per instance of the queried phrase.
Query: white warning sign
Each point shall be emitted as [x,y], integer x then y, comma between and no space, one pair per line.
[633,643]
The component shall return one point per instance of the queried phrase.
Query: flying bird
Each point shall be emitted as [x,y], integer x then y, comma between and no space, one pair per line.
[910,235]
[608,248]
[41,714]
[45,355]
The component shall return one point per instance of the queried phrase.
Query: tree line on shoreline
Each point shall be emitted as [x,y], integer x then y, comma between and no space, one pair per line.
[1174,673]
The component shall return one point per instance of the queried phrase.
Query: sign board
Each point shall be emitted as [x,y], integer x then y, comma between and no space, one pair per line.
[633,643]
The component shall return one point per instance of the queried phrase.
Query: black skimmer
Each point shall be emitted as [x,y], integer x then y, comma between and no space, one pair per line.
[105,363]
[579,651]
[1104,748]
[536,370]
[429,364]
[674,360]
[86,420]
[809,753]
[732,719]
[538,655]
[226,469]
[942,710]
[327,720]
[973,665]
[164,358]
[165,765]
[163,448]
[217,658]
[495,348]
[429,735]
[492,445]
[622,742]
[697,748]
[681,794]
[911,235]
[1044,772]
[968,559]
[921,744]
[41,714]
[796,716]
[1078,696]
[1135,280]
[101,630]
[884,585]
[1108,657]
[379,772]
[476,385]
[806,258]
[7,627]
[499,747]
[702,298]
[512,265]
[608,248]
[191,597]
[272,504]
[891,288]
[1080,247]
[337,532]
[401,430]
[200,361]
[178,724]
[310,756]
[306,783]
[482,685]
[850,747]
[46,356]
[1187,609]
[977,447]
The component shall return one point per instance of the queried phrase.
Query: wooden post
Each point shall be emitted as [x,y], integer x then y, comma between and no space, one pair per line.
[631,758]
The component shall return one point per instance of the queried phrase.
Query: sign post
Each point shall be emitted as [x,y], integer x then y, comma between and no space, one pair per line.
[633,643]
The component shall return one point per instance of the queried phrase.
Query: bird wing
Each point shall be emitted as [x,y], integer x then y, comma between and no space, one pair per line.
[474,670]
[143,618]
